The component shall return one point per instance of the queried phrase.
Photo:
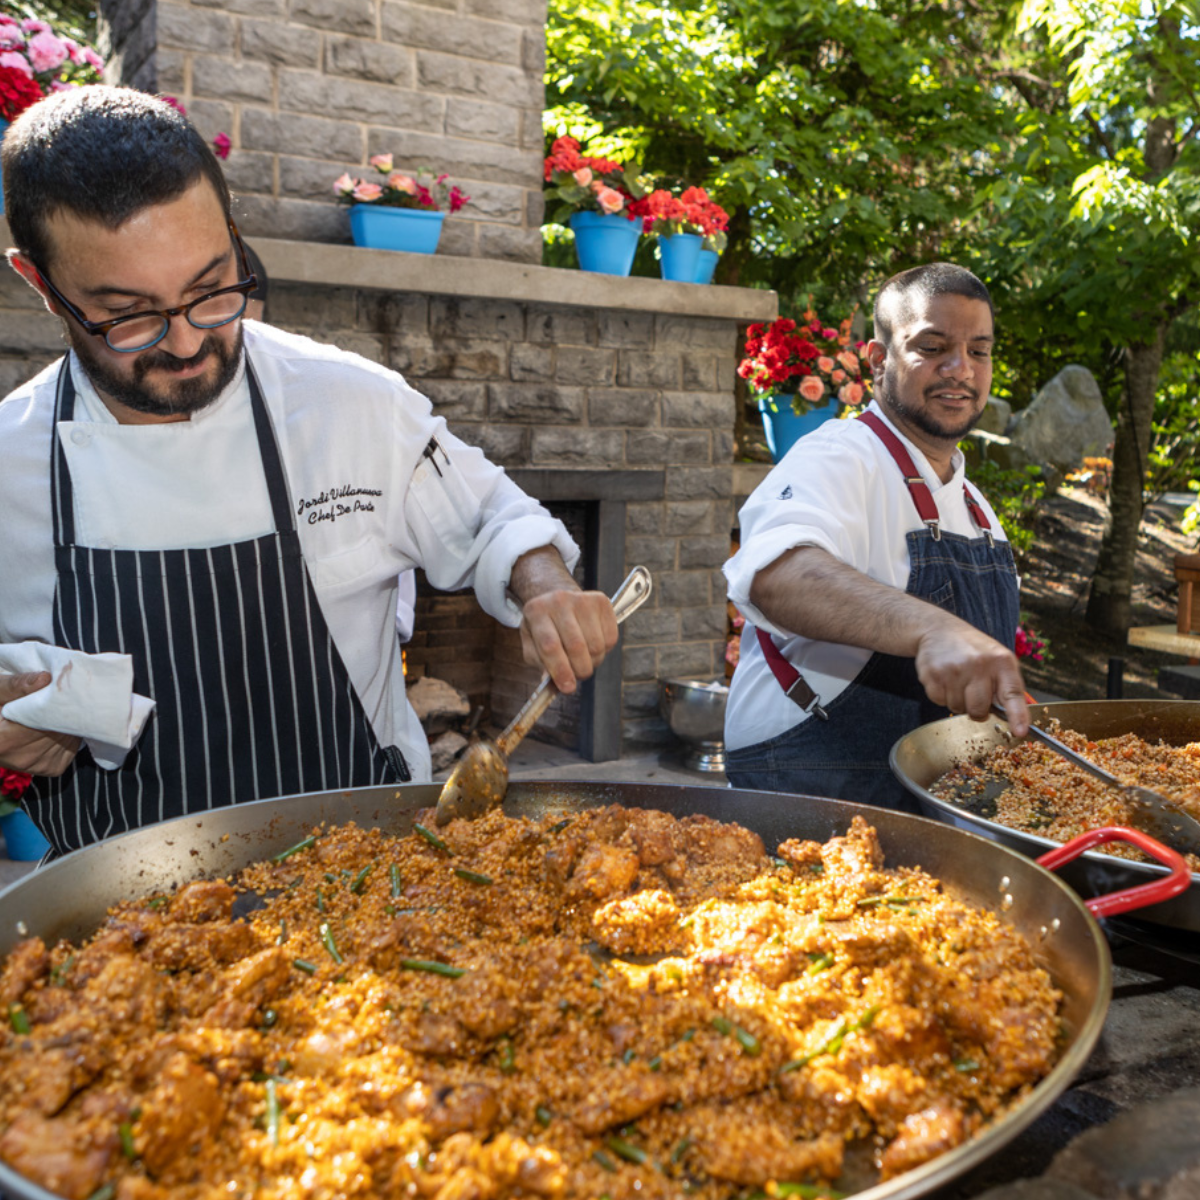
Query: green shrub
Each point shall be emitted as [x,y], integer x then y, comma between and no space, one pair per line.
[1015,495]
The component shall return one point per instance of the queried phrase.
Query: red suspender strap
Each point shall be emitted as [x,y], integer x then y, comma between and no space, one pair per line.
[917,488]
[792,682]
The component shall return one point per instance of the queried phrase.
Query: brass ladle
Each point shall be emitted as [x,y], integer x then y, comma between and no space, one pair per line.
[480,780]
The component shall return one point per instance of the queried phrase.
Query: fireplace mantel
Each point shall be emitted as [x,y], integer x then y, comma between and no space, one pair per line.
[333,265]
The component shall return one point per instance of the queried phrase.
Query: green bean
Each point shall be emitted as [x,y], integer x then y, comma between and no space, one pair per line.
[655,1064]
[125,1133]
[604,1161]
[966,1064]
[18,1019]
[304,845]
[105,1191]
[806,1191]
[681,1149]
[749,1043]
[508,1060]
[272,1113]
[722,1025]
[629,1056]
[434,968]
[360,880]
[59,973]
[330,944]
[396,881]
[544,1116]
[820,962]
[627,1150]
[431,837]
[473,877]
[302,964]
[269,1017]
[559,826]
[282,933]
[320,901]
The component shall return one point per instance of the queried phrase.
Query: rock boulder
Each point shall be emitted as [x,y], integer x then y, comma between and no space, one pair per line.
[1065,423]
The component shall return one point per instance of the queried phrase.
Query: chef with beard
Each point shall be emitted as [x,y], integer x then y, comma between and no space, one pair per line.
[878,587]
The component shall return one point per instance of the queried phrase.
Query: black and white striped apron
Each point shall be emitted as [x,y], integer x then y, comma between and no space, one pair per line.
[252,698]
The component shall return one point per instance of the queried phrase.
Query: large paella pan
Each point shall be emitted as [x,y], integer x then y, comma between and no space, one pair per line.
[70,898]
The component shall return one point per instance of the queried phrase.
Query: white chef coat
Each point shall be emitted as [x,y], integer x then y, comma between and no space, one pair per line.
[838,488]
[367,502]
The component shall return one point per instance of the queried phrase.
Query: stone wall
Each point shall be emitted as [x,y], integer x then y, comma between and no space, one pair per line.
[307,89]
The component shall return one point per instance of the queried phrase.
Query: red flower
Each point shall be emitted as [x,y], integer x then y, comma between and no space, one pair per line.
[17,92]
[222,145]
[13,783]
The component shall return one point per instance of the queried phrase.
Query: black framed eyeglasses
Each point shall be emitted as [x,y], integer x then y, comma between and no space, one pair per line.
[141,330]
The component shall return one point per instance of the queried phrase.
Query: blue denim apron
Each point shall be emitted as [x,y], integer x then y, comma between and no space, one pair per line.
[844,752]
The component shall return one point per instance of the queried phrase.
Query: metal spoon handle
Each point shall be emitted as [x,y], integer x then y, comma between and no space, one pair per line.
[629,597]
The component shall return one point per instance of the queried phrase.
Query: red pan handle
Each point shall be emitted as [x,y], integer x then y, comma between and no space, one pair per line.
[1127,899]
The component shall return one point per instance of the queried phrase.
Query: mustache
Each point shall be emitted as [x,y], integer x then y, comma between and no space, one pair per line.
[161,360]
[950,383]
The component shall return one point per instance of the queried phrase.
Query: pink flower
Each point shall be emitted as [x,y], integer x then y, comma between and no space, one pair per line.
[92,58]
[583,176]
[830,335]
[74,53]
[838,376]
[457,199]
[849,360]
[10,36]
[174,104]
[400,182]
[222,145]
[344,184]
[851,394]
[825,363]
[425,197]
[10,58]
[609,199]
[812,388]
[366,192]
[46,52]
[33,26]
[381,162]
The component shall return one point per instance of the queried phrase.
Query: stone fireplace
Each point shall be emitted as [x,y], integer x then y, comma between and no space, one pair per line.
[612,397]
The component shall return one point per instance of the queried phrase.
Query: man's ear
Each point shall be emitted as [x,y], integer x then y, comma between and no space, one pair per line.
[23,265]
[876,355]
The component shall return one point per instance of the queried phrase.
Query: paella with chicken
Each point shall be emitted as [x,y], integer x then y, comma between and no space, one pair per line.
[618,1004]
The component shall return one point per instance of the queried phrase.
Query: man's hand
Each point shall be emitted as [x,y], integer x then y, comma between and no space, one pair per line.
[32,751]
[966,671]
[564,630]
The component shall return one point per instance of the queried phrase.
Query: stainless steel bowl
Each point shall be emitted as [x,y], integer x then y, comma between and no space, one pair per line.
[695,711]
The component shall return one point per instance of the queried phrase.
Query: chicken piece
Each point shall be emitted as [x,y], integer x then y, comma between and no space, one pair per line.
[184,1110]
[465,1108]
[644,923]
[653,835]
[763,1151]
[731,846]
[65,1158]
[603,871]
[437,1034]
[199,947]
[27,962]
[322,1053]
[409,935]
[202,900]
[799,855]
[923,1135]
[482,1005]
[618,1097]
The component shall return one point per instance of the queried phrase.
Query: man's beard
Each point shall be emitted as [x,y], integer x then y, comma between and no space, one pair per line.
[180,399]
[920,417]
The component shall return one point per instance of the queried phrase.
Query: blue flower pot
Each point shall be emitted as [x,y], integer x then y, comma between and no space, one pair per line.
[783,428]
[605,243]
[413,229]
[22,838]
[3,127]
[706,264]
[678,256]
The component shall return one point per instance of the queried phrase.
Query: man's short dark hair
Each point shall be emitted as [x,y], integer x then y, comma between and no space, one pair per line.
[895,299]
[103,154]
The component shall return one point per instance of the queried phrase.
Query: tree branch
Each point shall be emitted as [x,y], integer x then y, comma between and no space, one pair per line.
[1098,130]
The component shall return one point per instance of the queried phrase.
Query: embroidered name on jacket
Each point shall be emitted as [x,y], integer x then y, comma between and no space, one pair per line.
[337,502]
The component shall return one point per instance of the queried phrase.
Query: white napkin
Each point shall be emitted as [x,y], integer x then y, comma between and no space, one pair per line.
[90,696]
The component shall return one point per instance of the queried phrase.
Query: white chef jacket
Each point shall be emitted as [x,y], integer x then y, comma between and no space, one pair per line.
[367,503]
[838,488]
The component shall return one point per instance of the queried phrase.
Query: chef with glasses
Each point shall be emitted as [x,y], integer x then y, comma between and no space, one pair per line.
[205,517]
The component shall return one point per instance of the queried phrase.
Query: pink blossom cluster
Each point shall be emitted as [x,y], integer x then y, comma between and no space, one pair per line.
[1029,645]
[53,63]
[398,190]
[584,182]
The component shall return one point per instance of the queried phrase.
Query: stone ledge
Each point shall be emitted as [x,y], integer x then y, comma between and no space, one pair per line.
[336,265]
[444,275]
